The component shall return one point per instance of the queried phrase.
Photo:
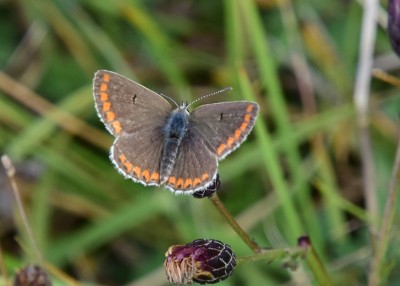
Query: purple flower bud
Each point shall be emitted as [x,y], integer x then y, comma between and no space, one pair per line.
[204,261]
[32,275]
[304,241]
[207,192]
[394,25]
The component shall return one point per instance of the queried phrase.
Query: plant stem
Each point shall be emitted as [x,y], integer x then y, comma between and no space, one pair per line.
[3,269]
[387,222]
[236,227]
[361,97]
[377,73]
[317,267]
[272,254]
[11,175]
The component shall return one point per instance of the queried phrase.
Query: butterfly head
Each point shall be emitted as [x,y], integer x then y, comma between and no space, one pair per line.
[184,107]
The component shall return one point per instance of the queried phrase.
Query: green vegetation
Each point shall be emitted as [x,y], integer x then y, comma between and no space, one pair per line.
[312,165]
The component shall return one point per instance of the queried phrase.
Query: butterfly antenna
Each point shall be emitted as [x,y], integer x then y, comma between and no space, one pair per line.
[211,94]
[167,97]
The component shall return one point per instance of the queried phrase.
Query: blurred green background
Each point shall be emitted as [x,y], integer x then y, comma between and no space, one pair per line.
[300,171]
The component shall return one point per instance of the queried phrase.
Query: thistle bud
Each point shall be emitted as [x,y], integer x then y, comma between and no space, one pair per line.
[205,261]
[31,275]
[394,25]
[304,241]
[211,189]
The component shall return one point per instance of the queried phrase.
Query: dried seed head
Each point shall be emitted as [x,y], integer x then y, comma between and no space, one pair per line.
[204,261]
[394,25]
[31,275]
[207,192]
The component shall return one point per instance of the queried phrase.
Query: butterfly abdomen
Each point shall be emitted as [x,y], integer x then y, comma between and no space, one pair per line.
[174,131]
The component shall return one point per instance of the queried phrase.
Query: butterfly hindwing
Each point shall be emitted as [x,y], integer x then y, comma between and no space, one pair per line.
[137,156]
[195,166]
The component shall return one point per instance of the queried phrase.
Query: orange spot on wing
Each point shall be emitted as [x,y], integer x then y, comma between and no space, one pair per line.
[128,166]
[249,108]
[243,126]
[110,116]
[196,181]
[230,141]
[146,175]
[103,87]
[106,106]
[103,96]
[172,181]
[237,134]
[117,127]
[122,158]
[188,182]
[204,176]
[106,77]
[221,149]
[179,183]
[247,118]
[136,171]
[155,177]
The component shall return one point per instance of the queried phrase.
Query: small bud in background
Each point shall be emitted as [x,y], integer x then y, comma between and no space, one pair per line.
[207,192]
[304,241]
[394,25]
[204,261]
[31,275]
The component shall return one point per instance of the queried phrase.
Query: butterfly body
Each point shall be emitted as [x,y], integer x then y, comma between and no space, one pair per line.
[174,131]
[157,144]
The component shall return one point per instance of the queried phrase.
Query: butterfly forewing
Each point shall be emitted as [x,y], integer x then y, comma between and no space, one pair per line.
[126,106]
[224,126]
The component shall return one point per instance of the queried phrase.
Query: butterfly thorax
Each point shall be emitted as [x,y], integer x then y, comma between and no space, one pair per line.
[173,132]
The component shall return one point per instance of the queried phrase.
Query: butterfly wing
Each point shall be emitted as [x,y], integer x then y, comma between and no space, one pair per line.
[214,131]
[195,166]
[136,116]
[137,156]
[224,126]
[125,106]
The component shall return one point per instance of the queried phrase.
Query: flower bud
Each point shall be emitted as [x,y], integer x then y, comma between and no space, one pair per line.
[304,241]
[394,25]
[204,261]
[211,189]
[31,275]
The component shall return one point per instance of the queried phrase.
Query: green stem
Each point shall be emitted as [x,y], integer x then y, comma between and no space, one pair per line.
[236,227]
[317,267]
[272,254]
[387,223]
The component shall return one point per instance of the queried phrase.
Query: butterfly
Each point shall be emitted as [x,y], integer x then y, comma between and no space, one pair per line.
[157,144]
